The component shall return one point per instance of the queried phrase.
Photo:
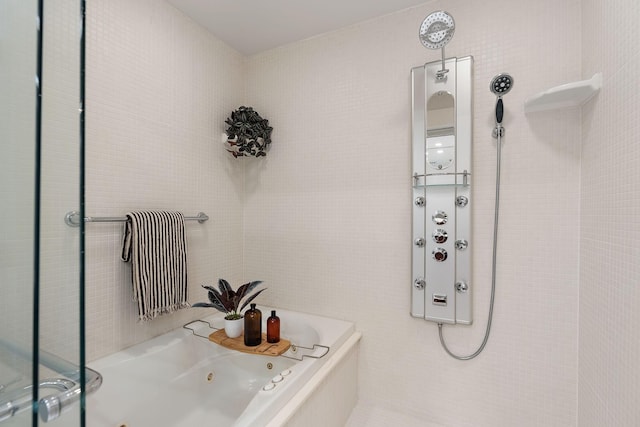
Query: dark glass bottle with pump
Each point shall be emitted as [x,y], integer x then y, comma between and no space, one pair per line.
[273,328]
[252,327]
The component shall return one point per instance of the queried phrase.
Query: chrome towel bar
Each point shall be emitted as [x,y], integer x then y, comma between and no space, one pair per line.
[72,219]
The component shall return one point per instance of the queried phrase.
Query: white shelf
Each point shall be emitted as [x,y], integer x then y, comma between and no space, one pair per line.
[565,96]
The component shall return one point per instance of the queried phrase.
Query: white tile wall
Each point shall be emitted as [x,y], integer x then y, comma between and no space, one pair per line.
[609,376]
[158,91]
[327,221]
[327,214]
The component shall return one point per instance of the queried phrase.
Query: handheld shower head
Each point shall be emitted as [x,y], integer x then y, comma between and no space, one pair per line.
[500,85]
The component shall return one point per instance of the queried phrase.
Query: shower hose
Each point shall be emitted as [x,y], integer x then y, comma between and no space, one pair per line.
[499,131]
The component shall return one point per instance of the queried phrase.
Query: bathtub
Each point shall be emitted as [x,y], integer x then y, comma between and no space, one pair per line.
[181,379]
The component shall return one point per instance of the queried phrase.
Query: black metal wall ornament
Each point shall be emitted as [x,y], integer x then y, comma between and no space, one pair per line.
[248,134]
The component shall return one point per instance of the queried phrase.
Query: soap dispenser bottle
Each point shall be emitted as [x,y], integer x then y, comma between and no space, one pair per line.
[252,327]
[273,328]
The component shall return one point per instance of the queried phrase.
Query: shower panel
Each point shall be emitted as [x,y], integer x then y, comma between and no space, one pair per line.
[442,202]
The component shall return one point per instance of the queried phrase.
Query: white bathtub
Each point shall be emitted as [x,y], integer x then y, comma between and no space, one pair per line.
[181,380]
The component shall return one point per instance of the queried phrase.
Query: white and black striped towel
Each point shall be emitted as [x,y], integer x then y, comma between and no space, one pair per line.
[156,245]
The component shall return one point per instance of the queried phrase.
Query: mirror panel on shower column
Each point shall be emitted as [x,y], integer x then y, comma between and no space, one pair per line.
[441,150]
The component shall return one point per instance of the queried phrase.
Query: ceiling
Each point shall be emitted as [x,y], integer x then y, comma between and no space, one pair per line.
[252,26]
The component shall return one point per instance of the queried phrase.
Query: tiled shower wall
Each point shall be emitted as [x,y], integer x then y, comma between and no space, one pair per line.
[158,90]
[328,212]
[609,375]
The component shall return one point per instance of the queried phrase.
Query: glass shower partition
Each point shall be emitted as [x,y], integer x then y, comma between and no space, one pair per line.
[41,259]
[18,126]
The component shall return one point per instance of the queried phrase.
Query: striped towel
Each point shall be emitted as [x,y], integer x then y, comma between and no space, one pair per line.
[156,245]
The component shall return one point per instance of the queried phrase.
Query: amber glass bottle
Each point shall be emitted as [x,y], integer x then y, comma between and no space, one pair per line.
[273,328]
[252,327]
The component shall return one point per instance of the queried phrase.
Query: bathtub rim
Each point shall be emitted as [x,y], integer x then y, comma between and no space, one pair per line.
[307,390]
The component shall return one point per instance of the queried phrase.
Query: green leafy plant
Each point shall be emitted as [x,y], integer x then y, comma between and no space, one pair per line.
[248,134]
[226,300]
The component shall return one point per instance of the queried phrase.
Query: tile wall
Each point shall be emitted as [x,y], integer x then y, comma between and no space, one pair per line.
[159,88]
[328,213]
[609,375]
[326,219]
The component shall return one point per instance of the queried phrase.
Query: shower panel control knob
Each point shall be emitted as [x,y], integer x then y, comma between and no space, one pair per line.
[439,254]
[461,201]
[440,217]
[462,287]
[419,283]
[419,242]
[461,244]
[420,201]
[440,235]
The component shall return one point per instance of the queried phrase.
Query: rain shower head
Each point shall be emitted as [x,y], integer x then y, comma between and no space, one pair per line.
[500,85]
[437,30]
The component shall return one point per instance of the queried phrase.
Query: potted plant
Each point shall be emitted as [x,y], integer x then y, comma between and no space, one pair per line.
[248,134]
[228,301]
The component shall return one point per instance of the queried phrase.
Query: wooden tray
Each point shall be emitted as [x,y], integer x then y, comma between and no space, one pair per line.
[264,348]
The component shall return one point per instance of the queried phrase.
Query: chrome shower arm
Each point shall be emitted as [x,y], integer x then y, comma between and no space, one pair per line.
[442,73]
